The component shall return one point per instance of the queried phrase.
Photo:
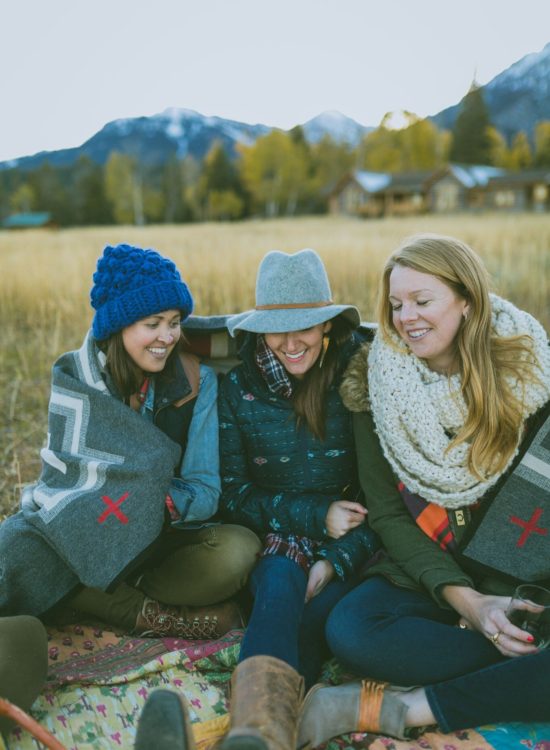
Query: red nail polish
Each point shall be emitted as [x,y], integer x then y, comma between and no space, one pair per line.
[530,638]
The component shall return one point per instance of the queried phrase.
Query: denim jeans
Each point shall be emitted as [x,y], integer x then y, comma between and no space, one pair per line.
[280,625]
[389,633]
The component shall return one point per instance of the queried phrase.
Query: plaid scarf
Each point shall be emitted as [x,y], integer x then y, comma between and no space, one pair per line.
[272,370]
[297,548]
[432,519]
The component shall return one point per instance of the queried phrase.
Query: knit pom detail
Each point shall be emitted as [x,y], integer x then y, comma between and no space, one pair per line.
[130,284]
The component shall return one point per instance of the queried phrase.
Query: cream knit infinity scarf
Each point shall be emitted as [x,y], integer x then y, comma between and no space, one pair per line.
[417,411]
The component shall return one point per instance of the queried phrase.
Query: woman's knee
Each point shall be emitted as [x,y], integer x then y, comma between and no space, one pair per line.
[23,661]
[355,624]
[233,551]
[278,577]
[340,630]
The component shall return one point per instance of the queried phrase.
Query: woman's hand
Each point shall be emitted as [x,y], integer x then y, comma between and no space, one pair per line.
[342,516]
[487,615]
[320,574]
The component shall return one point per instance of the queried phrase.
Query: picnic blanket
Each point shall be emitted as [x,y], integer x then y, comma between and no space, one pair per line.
[99,681]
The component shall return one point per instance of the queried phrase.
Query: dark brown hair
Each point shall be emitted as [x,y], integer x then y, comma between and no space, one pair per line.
[310,394]
[127,376]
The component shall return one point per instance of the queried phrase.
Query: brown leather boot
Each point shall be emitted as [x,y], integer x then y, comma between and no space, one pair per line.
[192,623]
[266,694]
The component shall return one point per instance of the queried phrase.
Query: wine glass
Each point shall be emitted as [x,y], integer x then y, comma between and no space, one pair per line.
[530,611]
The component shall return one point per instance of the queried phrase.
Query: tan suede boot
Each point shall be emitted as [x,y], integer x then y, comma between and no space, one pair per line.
[366,706]
[266,694]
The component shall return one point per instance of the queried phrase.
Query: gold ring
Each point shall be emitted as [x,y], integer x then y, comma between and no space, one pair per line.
[494,638]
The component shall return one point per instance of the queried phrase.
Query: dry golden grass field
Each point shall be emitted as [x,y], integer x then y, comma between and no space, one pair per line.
[46,275]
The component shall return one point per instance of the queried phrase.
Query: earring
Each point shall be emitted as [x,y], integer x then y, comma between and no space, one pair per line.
[326,342]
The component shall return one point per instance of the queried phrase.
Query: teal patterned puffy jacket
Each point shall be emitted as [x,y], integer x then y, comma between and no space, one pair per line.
[280,478]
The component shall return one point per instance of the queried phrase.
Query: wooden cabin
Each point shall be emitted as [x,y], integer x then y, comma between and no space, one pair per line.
[450,189]
[520,191]
[460,187]
[359,194]
[405,195]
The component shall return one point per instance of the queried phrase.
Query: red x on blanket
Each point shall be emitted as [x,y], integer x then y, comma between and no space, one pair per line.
[113,507]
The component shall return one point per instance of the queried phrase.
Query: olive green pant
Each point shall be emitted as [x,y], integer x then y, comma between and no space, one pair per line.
[205,567]
[23,661]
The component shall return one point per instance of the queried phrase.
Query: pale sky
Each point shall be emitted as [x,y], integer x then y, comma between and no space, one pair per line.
[70,66]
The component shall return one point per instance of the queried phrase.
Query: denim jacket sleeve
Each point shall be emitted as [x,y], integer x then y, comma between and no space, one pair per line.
[197,492]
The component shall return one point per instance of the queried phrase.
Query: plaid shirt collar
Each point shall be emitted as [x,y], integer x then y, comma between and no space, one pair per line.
[272,370]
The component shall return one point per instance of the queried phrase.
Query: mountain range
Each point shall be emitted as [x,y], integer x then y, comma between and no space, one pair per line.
[517,99]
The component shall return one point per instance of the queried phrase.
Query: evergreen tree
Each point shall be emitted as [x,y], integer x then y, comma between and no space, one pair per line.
[172,187]
[220,192]
[50,186]
[90,202]
[219,172]
[471,145]
[3,200]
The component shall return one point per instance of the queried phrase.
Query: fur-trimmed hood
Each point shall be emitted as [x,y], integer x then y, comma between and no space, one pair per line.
[355,383]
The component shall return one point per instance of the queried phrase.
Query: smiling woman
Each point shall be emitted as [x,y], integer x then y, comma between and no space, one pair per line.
[132,470]
[150,341]
[298,351]
[288,473]
[427,314]
[452,403]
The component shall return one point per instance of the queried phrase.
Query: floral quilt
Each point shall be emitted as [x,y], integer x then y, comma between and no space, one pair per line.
[99,681]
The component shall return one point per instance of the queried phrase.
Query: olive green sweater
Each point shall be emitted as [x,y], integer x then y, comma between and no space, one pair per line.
[410,558]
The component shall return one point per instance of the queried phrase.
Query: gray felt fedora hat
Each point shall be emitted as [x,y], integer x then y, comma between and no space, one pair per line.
[292,293]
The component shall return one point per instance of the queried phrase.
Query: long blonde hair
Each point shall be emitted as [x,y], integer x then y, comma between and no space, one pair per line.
[487,362]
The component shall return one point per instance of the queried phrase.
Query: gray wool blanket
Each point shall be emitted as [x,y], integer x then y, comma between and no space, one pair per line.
[99,501]
[510,533]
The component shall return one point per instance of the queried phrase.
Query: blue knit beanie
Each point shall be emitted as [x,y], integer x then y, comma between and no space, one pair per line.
[131,284]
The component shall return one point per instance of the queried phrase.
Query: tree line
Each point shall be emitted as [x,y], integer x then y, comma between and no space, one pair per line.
[281,174]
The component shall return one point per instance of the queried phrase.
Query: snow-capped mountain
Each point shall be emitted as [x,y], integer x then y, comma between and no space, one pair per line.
[339,127]
[182,132]
[517,98]
[153,140]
